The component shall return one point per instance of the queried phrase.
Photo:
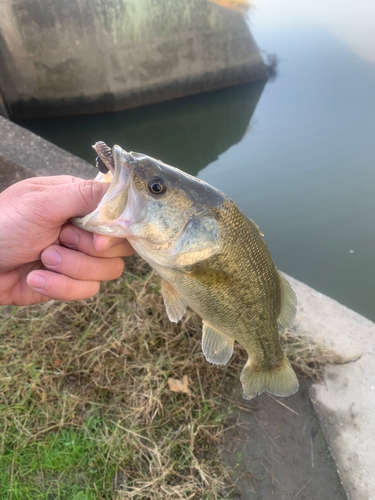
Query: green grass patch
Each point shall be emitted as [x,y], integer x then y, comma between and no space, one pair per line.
[66,464]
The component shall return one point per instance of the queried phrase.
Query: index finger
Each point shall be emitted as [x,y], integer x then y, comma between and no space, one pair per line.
[94,244]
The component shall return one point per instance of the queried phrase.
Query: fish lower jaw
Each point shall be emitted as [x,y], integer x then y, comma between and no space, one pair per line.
[108,229]
[112,230]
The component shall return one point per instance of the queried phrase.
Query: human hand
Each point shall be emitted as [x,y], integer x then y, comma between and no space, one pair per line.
[34,264]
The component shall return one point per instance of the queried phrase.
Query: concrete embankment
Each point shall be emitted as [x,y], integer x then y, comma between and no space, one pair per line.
[344,400]
[79,57]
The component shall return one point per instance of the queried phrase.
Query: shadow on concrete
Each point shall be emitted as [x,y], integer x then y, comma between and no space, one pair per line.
[277,450]
[10,173]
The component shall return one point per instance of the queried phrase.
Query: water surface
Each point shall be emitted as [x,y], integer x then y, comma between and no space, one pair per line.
[297,155]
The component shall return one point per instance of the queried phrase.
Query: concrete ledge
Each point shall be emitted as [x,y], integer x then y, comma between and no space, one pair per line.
[10,173]
[345,400]
[24,154]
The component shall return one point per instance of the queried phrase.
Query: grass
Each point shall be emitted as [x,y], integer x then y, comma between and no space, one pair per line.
[58,466]
[85,408]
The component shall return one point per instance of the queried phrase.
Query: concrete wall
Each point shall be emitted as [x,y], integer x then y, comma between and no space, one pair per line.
[3,109]
[60,57]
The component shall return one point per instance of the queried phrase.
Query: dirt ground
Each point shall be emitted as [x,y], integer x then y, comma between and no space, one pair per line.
[277,450]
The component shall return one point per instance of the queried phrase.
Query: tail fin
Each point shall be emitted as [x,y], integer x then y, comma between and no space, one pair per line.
[280,381]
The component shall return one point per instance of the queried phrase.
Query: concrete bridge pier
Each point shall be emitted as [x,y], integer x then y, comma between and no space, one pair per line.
[90,56]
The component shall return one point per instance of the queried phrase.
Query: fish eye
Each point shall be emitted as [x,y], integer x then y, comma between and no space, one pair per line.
[157,185]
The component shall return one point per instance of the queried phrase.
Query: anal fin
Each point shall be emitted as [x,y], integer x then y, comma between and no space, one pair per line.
[217,347]
[175,305]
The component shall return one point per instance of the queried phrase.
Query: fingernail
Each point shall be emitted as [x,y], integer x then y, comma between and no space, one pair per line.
[69,237]
[36,281]
[51,257]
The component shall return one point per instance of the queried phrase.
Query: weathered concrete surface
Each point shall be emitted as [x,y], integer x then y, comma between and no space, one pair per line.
[3,109]
[345,401]
[62,58]
[10,173]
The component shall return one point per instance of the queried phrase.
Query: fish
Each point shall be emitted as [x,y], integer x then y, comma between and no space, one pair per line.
[210,256]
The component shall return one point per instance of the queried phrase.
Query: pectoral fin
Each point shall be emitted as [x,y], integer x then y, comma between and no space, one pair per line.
[199,241]
[217,347]
[174,304]
[288,303]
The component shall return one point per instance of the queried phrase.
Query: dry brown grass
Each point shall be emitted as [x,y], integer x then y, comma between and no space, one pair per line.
[100,367]
[307,357]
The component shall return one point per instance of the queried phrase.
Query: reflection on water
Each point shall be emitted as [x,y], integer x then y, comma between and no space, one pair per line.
[305,169]
[188,133]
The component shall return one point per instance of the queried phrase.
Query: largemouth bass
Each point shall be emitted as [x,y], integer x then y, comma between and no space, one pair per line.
[210,256]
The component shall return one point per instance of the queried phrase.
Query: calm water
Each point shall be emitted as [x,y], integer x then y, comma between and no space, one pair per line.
[298,154]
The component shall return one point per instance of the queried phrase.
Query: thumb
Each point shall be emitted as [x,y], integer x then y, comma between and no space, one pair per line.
[77,198]
[51,200]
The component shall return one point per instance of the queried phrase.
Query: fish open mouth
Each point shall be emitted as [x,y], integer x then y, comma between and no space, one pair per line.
[115,167]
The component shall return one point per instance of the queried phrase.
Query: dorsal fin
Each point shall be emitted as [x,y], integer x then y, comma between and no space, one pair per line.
[288,303]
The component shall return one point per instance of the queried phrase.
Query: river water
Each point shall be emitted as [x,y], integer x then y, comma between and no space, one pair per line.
[297,154]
